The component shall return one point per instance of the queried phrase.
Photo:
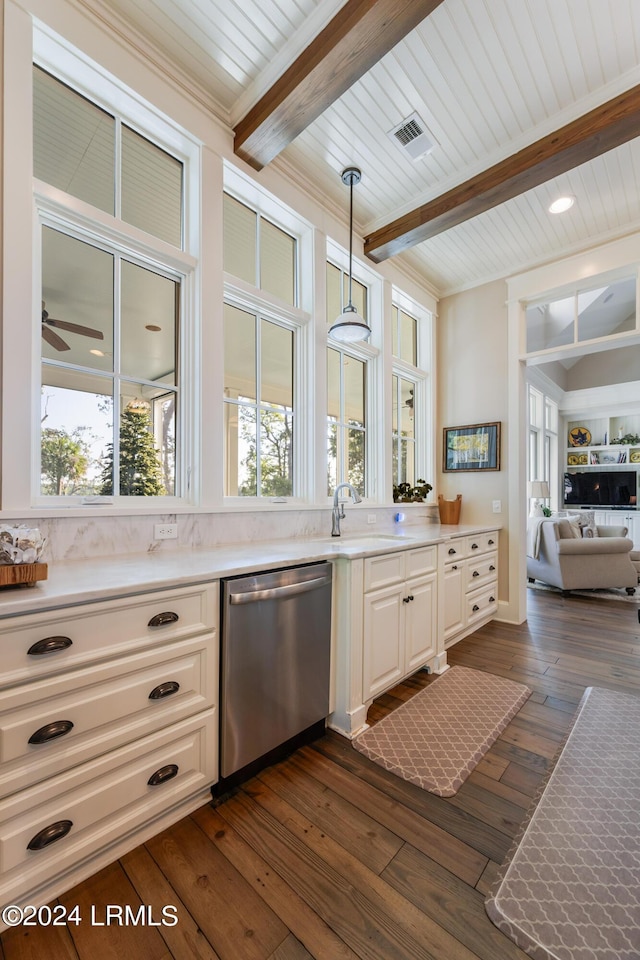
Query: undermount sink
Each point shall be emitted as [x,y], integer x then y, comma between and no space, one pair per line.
[358,537]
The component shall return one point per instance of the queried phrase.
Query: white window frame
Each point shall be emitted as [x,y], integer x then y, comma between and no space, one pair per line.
[422,378]
[35,43]
[298,318]
[370,352]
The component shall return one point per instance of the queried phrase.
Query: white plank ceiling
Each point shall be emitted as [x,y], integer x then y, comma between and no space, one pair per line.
[487,77]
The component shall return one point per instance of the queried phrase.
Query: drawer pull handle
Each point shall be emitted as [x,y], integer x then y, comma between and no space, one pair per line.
[50,731]
[55,831]
[490,542]
[49,645]
[474,546]
[455,566]
[475,574]
[475,608]
[406,599]
[162,775]
[410,596]
[161,619]
[491,567]
[452,550]
[164,690]
[492,599]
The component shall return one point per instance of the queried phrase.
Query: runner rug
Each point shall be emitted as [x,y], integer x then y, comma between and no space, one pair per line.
[570,888]
[438,737]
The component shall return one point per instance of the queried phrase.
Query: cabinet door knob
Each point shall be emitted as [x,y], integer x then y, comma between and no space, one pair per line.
[410,596]
[492,599]
[406,599]
[452,550]
[491,567]
[55,831]
[490,542]
[165,773]
[50,731]
[455,566]
[161,619]
[49,645]
[475,608]
[474,546]
[475,574]
[164,690]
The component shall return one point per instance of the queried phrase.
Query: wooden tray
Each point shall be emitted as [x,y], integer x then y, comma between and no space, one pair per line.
[12,574]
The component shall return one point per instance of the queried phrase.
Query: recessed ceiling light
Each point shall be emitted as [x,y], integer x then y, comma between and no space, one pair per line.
[153,327]
[562,204]
[97,353]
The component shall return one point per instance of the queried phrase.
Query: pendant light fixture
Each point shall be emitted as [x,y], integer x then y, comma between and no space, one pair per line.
[350,326]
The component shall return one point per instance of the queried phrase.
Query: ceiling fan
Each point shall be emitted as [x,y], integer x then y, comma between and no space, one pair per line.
[56,341]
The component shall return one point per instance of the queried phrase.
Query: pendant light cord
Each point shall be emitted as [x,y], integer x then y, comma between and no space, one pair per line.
[350,304]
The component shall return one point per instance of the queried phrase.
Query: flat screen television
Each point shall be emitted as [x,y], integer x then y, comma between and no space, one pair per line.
[601,488]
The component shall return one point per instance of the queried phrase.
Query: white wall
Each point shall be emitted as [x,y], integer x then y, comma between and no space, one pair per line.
[473,388]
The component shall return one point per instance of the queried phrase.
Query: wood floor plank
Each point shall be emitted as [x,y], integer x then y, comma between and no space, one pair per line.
[457,907]
[498,788]
[37,943]
[482,837]
[306,925]
[492,766]
[96,936]
[184,940]
[437,843]
[233,918]
[404,928]
[359,833]
[291,949]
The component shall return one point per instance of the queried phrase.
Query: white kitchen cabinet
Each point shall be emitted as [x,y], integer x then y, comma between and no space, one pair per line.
[108,732]
[470,584]
[400,628]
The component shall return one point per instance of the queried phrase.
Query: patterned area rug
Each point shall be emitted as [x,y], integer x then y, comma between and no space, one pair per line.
[570,889]
[439,736]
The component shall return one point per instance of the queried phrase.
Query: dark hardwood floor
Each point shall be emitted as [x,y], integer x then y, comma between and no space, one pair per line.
[326,855]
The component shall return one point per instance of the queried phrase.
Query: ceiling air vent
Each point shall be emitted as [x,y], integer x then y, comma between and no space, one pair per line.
[411,137]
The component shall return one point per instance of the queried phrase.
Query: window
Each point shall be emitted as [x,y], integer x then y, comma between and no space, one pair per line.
[411,443]
[259,252]
[543,440]
[403,430]
[604,311]
[111,301]
[346,430]
[261,330]
[404,335]
[258,405]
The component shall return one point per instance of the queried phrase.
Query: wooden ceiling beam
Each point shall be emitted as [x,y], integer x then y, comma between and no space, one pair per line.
[593,134]
[358,36]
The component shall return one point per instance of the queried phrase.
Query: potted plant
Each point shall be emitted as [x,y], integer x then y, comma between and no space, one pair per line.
[405,493]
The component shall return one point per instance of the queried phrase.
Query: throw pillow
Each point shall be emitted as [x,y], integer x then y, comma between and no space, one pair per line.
[568,529]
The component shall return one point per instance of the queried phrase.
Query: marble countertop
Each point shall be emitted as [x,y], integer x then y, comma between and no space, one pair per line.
[87,580]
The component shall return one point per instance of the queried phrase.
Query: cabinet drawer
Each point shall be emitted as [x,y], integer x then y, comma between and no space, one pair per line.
[98,802]
[480,571]
[482,603]
[421,561]
[455,550]
[54,724]
[383,571]
[481,543]
[40,644]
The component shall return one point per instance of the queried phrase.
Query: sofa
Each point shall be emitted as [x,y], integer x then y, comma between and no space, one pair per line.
[571,555]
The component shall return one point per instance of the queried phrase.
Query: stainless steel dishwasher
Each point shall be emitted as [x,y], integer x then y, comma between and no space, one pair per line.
[275,660]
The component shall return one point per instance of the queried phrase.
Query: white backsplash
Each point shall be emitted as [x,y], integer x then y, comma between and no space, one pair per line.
[73,538]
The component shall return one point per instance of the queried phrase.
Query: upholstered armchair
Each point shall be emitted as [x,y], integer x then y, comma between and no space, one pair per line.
[559,554]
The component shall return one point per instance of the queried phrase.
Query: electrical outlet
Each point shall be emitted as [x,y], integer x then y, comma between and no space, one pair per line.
[165,531]
[371,518]
[497,506]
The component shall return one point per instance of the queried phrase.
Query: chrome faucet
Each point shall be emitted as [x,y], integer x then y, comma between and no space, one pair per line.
[337,513]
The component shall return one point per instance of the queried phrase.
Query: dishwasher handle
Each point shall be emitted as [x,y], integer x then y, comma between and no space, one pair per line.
[277,593]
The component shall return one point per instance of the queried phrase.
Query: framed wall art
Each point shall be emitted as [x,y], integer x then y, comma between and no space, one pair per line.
[473,447]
